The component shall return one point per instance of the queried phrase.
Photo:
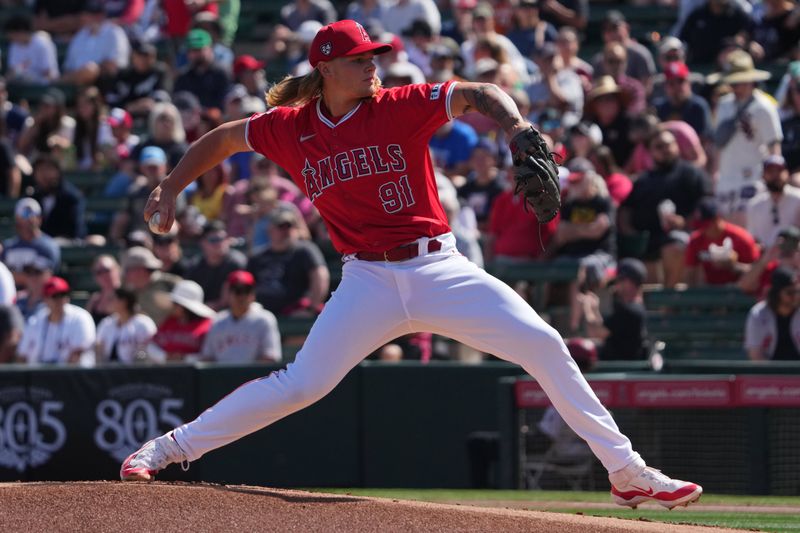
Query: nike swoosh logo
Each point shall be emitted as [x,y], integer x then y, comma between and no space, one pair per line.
[304,138]
[649,490]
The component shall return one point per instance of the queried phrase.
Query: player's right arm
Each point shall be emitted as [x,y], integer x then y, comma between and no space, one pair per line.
[204,154]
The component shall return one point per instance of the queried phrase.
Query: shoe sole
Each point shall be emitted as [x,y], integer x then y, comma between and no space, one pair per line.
[685,501]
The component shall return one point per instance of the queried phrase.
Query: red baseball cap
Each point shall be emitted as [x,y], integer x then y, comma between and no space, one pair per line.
[55,285]
[119,117]
[341,39]
[241,277]
[676,70]
[246,62]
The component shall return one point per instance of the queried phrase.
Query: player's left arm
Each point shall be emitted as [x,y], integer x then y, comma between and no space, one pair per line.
[490,100]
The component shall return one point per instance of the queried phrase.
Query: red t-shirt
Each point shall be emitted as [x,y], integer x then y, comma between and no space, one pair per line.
[743,244]
[369,174]
[184,338]
[619,187]
[179,17]
[516,230]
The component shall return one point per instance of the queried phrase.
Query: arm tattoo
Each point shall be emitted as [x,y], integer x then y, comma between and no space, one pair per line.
[487,99]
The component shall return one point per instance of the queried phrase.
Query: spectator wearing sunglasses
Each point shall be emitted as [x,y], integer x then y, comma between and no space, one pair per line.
[777,207]
[216,261]
[245,332]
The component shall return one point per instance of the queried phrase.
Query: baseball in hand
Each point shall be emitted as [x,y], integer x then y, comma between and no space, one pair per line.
[155,222]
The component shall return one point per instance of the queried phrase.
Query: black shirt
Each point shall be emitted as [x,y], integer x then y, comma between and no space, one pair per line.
[586,212]
[694,111]
[627,337]
[63,211]
[209,86]
[682,183]
[130,85]
[211,278]
[774,37]
[703,32]
[615,136]
[282,278]
[785,349]
[480,197]
[7,164]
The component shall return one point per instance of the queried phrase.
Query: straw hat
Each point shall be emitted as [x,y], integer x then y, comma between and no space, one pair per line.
[739,69]
[603,87]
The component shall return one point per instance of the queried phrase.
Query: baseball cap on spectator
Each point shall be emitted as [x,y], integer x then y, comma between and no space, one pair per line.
[341,39]
[791,233]
[241,278]
[152,155]
[119,117]
[143,48]
[161,96]
[670,44]
[485,66]
[441,51]
[419,28]
[246,62]
[186,101]
[284,216]
[189,295]
[140,257]
[214,226]
[466,4]
[580,165]
[613,18]
[197,39]
[27,208]
[38,264]
[483,10]
[676,70]
[53,96]
[775,160]
[404,70]
[631,269]
[237,92]
[55,286]
[588,129]
[138,237]
[307,31]
[374,28]
[707,208]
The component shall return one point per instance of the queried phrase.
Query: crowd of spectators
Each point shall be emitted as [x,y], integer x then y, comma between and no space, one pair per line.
[680,165]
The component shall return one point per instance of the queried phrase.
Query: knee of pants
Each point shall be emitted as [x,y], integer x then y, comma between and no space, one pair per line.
[544,344]
[300,392]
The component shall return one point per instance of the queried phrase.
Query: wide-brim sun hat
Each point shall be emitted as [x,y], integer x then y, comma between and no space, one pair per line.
[739,68]
[189,294]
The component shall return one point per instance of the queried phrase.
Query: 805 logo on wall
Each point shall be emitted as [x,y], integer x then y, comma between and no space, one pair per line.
[133,414]
[30,430]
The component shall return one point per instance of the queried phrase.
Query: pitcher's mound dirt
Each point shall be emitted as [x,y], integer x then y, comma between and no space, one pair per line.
[116,506]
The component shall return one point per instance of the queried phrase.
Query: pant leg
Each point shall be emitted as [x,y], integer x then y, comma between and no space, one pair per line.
[453,297]
[363,313]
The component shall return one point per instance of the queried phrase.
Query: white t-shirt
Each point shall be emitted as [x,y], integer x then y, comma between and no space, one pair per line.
[8,290]
[36,61]
[47,342]
[130,337]
[109,44]
[762,222]
[397,17]
[740,161]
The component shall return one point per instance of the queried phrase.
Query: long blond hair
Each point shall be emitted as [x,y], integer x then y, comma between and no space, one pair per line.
[299,90]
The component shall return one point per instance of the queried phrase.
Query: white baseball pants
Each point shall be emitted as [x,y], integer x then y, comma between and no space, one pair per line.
[441,292]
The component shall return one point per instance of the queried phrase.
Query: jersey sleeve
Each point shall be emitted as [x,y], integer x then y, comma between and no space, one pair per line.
[266,131]
[419,110]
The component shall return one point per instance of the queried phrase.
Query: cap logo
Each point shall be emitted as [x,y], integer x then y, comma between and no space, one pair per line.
[326,48]
[364,34]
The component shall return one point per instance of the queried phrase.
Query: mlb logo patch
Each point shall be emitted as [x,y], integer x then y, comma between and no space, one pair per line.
[435,91]
[326,48]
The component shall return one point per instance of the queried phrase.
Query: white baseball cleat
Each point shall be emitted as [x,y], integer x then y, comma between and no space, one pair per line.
[154,455]
[650,484]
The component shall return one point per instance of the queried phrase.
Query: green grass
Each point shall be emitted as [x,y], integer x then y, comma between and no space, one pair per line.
[761,521]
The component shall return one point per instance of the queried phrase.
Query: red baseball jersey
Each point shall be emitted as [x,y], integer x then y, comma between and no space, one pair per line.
[369,174]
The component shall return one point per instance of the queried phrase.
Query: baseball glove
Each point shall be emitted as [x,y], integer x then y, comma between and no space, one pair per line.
[536,174]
